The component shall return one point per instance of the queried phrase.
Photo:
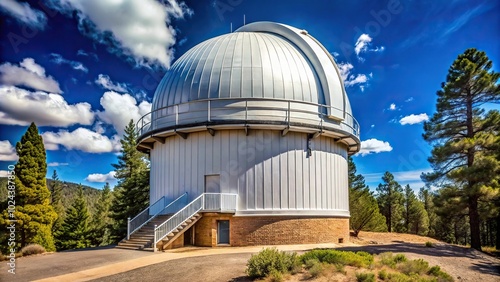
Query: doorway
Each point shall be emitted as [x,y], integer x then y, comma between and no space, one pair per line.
[222,232]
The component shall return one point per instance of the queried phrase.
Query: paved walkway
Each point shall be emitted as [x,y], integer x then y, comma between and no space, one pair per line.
[85,265]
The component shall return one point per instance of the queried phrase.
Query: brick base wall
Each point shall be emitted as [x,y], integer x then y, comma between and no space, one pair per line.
[272,230]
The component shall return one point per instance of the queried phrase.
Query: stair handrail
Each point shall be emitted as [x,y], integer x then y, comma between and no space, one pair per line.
[130,223]
[162,230]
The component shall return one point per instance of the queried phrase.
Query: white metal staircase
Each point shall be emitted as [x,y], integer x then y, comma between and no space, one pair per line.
[160,230]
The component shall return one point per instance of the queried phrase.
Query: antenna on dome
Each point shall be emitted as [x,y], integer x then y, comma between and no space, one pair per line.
[231,27]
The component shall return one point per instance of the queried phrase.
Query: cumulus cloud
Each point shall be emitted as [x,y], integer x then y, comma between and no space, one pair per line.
[21,107]
[58,59]
[374,146]
[119,109]
[351,79]
[392,107]
[98,177]
[363,45]
[105,82]
[23,13]
[414,119]
[140,29]
[7,151]
[28,74]
[81,139]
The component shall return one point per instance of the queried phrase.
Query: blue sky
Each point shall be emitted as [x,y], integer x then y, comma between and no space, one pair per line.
[82,69]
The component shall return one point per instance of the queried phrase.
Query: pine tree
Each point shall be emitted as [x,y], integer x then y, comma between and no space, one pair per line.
[131,195]
[102,222]
[363,206]
[415,215]
[460,133]
[34,214]
[427,198]
[74,232]
[390,201]
[55,188]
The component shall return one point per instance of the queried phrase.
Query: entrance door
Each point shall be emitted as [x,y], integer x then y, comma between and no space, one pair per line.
[223,232]
[212,183]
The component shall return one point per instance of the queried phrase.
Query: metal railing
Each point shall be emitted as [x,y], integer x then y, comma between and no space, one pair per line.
[246,110]
[151,212]
[207,202]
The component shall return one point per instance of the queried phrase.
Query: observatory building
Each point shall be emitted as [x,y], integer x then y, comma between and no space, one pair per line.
[248,139]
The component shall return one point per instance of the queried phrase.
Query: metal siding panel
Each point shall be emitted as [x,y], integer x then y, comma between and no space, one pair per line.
[267,70]
[324,172]
[285,65]
[233,164]
[225,77]
[215,72]
[306,190]
[291,172]
[312,176]
[268,182]
[275,166]
[192,83]
[259,171]
[251,203]
[257,73]
[299,184]
[284,171]
[205,78]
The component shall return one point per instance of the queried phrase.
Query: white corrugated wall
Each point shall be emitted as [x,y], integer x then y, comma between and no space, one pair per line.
[271,174]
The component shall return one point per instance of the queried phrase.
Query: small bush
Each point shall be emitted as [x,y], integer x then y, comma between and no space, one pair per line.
[418,266]
[392,260]
[382,274]
[276,276]
[359,259]
[365,277]
[262,264]
[32,249]
[437,272]
[340,268]
[311,262]
[317,269]
[429,244]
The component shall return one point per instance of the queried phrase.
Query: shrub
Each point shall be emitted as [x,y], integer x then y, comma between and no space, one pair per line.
[437,272]
[311,262]
[365,277]
[382,274]
[429,244]
[418,266]
[276,276]
[391,260]
[269,259]
[317,269]
[359,259]
[32,249]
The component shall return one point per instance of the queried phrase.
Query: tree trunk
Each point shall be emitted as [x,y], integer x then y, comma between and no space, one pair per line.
[475,230]
[498,233]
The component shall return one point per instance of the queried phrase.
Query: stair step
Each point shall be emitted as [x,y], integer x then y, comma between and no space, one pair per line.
[127,248]
[138,241]
[139,246]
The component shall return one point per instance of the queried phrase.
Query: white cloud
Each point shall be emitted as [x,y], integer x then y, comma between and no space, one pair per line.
[28,74]
[81,139]
[3,173]
[140,29]
[7,151]
[55,164]
[372,126]
[98,177]
[374,146]
[409,100]
[392,107]
[414,119]
[21,107]
[24,13]
[351,79]
[105,82]
[362,46]
[119,109]
[58,59]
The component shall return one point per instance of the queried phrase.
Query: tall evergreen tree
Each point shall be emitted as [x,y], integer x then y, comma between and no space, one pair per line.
[55,188]
[427,198]
[365,214]
[390,201]
[460,133]
[131,195]
[415,215]
[74,232]
[34,214]
[102,222]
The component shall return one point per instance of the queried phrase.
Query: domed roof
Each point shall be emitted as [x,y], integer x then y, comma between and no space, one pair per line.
[259,60]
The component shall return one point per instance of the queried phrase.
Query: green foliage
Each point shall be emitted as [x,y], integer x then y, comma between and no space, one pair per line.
[426,197]
[416,220]
[34,214]
[276,276]
[417,266]
[365,277]
[390,200]
[55,188]
[391,260]
[382,274]
[365,214]
[131,195]
[74,233]
[465,138]
[270,259]
[311,262]
[429,244]
[358,259]
[316,269]
[32,249]
[437,272]
[101,222]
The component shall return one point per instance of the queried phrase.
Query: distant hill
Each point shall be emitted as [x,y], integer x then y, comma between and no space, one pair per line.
[69,192]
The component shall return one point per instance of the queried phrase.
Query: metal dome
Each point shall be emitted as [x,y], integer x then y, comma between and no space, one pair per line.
[258,74]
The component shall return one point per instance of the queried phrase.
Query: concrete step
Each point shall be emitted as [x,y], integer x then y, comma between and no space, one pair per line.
[138,241]
[127,248]
[133,245]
